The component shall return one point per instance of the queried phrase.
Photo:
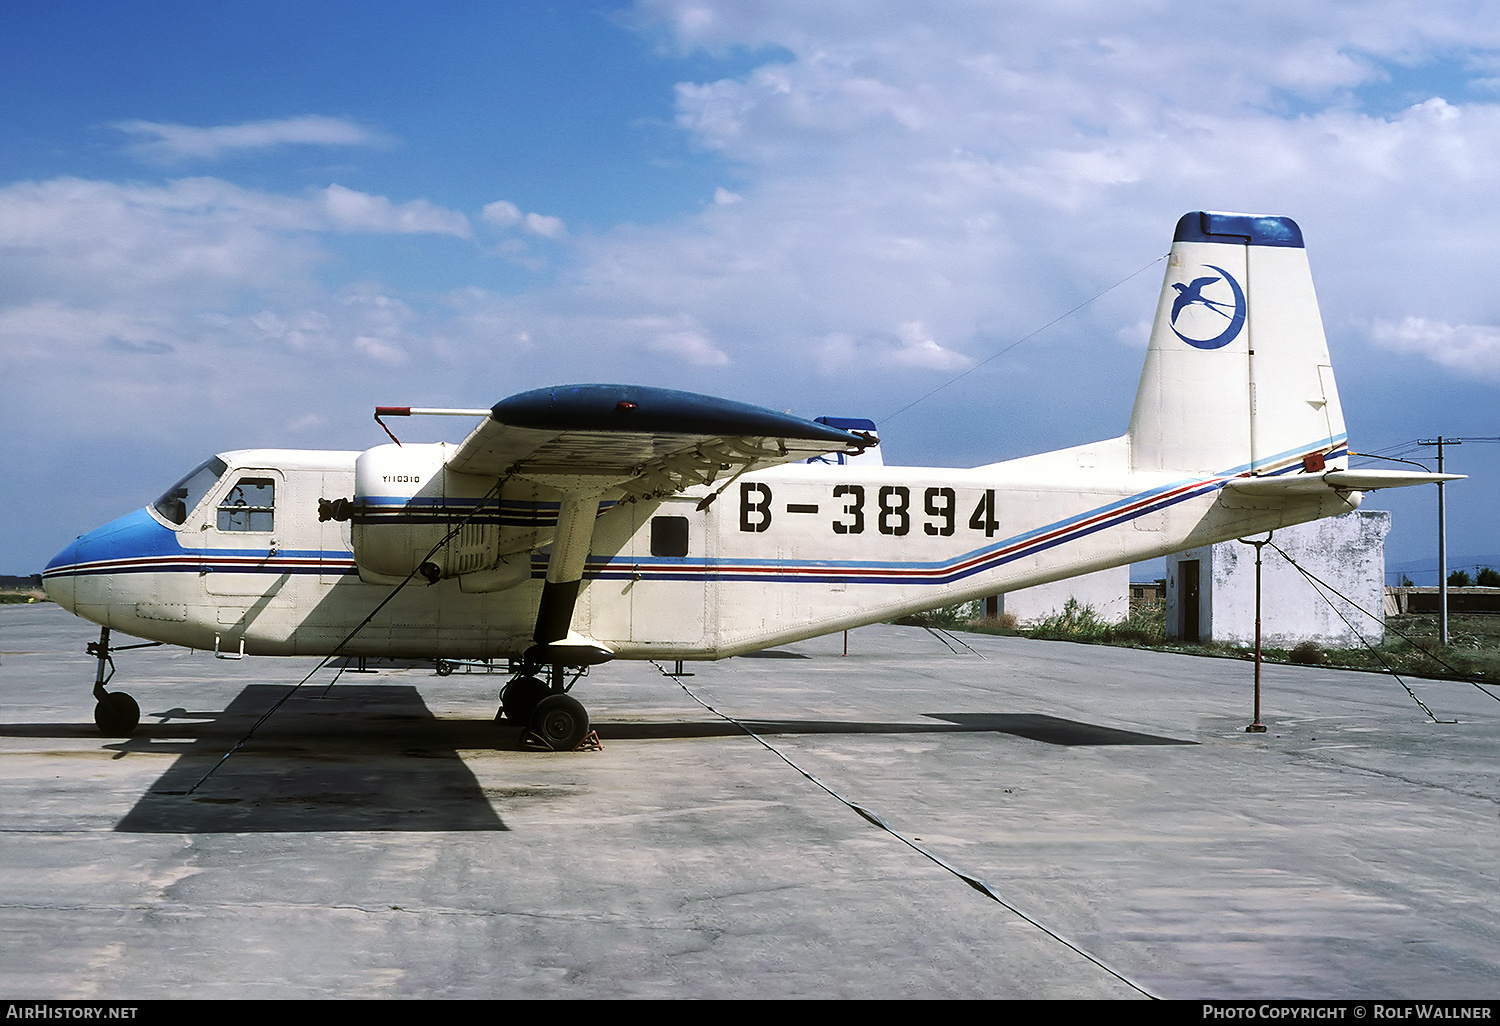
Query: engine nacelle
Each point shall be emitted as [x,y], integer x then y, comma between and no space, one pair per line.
[410,513]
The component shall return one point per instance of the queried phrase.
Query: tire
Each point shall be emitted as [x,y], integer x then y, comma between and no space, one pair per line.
[520,698]
[561,721]
[117,714]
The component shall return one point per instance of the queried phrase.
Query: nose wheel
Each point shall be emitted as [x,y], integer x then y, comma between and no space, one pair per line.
[116,714]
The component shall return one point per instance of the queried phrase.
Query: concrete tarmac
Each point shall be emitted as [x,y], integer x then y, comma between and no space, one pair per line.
[385,838]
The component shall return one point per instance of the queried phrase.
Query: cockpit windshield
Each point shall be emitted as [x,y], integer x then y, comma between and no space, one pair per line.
[180,499]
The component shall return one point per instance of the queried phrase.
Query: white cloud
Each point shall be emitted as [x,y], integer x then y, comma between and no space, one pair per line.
[349,210]
[978,169]
[908,348]
[690,346]
[160,252]
[1472,349]
[380,350]
[160,302]
[925,182]
[919,350]
[502,215]
[362,318]
[919,185]
[546,226]
[1137,334]
[191,241]
[172,142]
[47,330]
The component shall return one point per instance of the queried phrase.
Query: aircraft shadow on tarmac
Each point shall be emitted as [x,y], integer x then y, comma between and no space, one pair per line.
[349,758]
[373,757]
[1051,729]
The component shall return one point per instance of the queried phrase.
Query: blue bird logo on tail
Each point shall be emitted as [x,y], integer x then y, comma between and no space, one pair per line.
[1204,332]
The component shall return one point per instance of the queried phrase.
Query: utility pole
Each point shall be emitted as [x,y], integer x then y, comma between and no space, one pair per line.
[1442,541]
[1440,441]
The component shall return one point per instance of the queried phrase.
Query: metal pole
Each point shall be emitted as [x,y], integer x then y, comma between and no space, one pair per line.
[1443,537]
[1442,554]
[1257,727]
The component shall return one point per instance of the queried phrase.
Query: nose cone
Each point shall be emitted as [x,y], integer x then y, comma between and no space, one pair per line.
[85,573]
[61,586]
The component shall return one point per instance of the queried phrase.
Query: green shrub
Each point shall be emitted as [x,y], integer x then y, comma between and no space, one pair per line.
[1078,622]
[947,616]
[1309,653]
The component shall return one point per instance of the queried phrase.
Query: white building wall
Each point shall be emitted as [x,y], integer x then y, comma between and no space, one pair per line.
[1347,552]
[1107,591]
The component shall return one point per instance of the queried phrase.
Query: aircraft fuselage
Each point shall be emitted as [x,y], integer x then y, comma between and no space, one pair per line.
[783,554]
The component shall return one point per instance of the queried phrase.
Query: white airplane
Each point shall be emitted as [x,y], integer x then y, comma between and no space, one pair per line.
[585,523]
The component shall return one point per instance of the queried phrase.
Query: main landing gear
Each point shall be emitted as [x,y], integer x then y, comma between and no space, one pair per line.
[116,714]
[548,712]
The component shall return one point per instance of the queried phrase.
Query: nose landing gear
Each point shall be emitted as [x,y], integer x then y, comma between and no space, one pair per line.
[116,714]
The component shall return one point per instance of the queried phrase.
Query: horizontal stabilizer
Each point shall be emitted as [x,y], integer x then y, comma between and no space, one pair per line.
[1341,480]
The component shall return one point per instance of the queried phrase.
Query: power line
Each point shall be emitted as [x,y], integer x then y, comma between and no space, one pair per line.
[892,416]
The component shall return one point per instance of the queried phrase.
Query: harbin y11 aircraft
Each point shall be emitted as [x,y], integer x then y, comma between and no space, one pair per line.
[579,524]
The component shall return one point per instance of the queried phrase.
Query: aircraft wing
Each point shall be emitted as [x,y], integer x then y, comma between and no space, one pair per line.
[1342,480]
[647,442]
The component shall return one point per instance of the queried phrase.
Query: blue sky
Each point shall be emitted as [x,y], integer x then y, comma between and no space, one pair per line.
[241,224]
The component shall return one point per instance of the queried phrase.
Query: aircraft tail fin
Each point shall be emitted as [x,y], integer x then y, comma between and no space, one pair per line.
[1237,376]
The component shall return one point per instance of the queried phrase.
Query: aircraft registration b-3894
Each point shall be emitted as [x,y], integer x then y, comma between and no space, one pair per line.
[585,523]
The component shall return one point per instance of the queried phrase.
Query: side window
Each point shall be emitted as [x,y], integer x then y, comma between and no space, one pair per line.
[669,536]
[249,506]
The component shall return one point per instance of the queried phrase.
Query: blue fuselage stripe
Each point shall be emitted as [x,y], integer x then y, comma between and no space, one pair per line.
[136,544]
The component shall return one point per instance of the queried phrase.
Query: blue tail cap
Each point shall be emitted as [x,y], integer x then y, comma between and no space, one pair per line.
[1239,229]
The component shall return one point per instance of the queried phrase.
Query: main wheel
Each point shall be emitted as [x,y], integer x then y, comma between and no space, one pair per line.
[562,721]
[117,714]
[520,698]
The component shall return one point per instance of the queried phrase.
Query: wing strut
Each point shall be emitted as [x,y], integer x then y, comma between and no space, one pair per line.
[556,644]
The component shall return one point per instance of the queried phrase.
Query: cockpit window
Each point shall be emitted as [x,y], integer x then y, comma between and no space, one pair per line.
[180,499]
[249,506]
